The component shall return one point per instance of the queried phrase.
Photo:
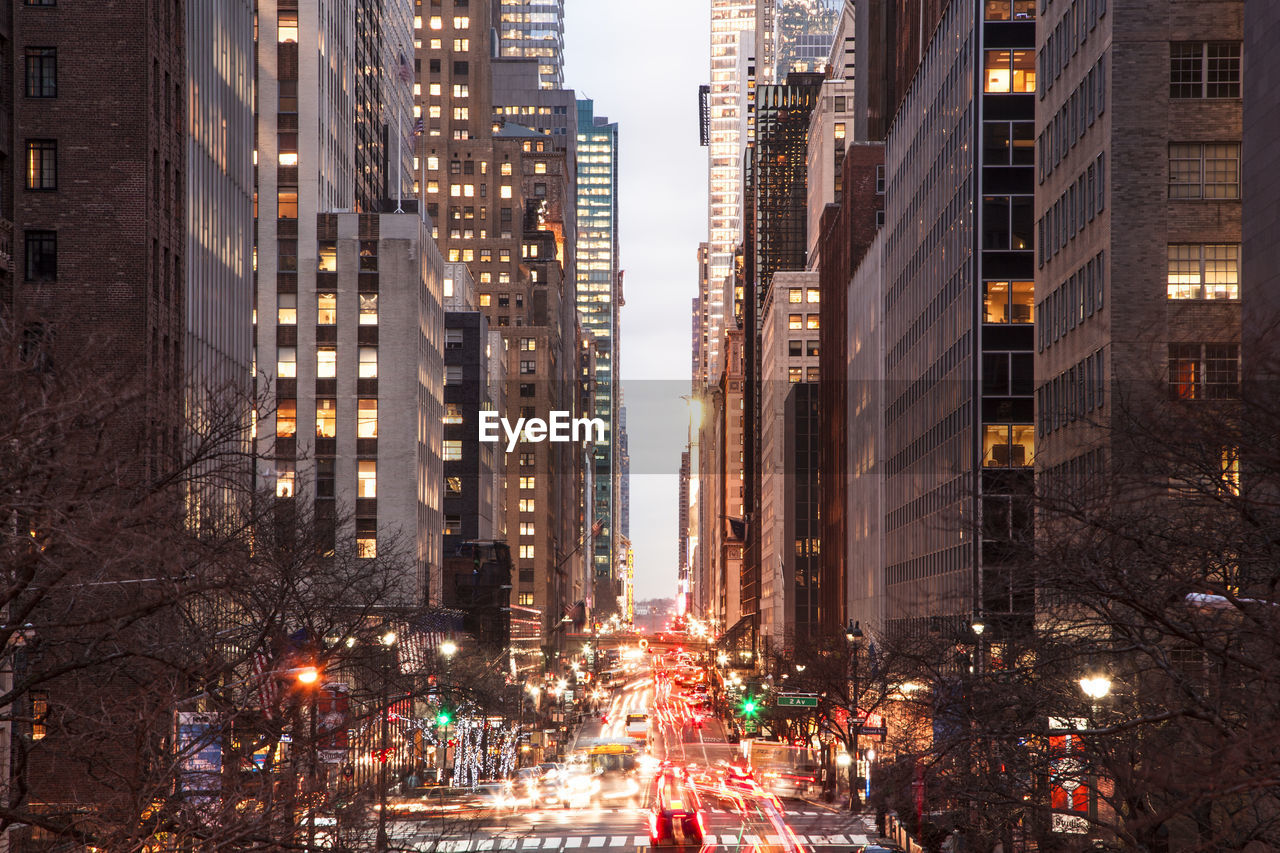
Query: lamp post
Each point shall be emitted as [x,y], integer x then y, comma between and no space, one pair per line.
[853,634]
[309,677]
[381,842]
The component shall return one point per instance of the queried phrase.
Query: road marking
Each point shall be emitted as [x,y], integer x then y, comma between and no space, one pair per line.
[573,841]
[454,846]
[618,841]
[838,839]
[597,841]
[532,842]
[507,843]
[640,840]
[774,839]
[484,844]
[751,839]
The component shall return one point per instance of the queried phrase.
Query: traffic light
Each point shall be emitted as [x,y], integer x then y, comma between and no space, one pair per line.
[444,718]
[749,706]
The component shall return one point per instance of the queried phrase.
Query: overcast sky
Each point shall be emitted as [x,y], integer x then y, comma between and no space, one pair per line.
[642,63]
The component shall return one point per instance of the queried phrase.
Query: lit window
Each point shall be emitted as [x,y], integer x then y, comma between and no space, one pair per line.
[811,295]
[539,168]
[1204,271]
[436,23]
[461,90]
[287,309]
[452,450]
[42,164]
[528,528]
[368,309]
[368,363]
[286,362]
[526,505]
[461,45]
[366,546]
[40,713]
[795,295]
[327,260]
[461,23]
[811,321]
[526,552]
[367,419]
[287,27]
[326,418]
[326,308]
[452,415]
[367,479]
[285,476]
[795,321]
[326,363]
[288,158]
[527,482]
[286,418]
[287,204]
[485,299]
[1010,71]
[528,344]
[453,485]
[505,191]
[525,599]
[795,374]
[433,186]
[433,89]
[433,162]
[506,168]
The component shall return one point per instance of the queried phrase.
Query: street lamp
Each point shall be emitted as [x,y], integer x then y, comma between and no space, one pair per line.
[381,843]
[448,648]
[1095,686]
[853,633]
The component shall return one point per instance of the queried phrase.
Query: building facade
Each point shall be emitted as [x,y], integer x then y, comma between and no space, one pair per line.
[958,329]
[534,29]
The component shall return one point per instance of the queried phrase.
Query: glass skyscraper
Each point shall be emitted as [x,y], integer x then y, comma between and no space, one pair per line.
[598,305]
[534,29]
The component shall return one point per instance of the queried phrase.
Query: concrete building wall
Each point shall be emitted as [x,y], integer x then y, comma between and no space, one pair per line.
[1260,179]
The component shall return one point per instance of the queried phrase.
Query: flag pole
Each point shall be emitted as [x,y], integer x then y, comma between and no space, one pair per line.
[399,141]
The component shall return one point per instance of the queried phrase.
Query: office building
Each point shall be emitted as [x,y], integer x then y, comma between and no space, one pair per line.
[789,549]
[830,130]
[349,301]
[1259,171]
[534,29]
[598,290]
[1138,271]
[958,334]
[501,196]
[733,25]
[794,35]
[775,240]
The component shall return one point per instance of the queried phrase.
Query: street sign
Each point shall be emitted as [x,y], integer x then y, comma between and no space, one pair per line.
[794,700]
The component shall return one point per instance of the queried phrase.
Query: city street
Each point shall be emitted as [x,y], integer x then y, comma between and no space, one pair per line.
[604,828]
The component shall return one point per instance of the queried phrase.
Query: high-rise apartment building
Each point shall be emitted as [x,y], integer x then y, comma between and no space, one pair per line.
[500,194]
[349,301]
[598,309]
[1137,281]
[534,29]
[958,334]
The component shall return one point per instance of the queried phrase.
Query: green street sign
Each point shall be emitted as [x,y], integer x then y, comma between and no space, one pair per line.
[794,700]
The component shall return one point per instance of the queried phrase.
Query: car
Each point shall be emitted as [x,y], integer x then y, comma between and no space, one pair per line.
[675,817]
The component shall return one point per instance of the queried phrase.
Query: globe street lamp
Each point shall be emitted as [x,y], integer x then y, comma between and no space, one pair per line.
[381,843]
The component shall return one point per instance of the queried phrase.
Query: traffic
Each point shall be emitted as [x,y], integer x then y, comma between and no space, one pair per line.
[653,765]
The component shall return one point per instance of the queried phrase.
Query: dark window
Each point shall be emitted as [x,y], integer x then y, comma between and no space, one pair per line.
[42,2]
[42,255]
[42,72]
[42,164]
[527,389]
[461,68]
[1200,69]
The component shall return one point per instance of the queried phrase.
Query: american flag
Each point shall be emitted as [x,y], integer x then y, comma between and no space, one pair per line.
[422,636]
[268,685]
[598,527]
[417,127]
[405,71]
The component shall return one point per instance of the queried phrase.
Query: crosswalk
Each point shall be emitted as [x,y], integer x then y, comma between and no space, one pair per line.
[606,842]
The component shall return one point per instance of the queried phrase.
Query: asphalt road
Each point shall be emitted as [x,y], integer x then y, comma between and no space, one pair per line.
[610,830]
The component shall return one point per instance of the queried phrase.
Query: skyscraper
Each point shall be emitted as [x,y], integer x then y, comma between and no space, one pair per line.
[794,35]
[958,264]
[534,29]
[598,304]
[733,25]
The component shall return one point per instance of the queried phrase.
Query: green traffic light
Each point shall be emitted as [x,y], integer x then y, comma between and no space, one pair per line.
[749,707]
[443,718]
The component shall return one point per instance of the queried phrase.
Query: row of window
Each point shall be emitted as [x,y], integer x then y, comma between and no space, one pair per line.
[1066,38]
[326,362]
[1010,10]
[797,349]
[327,418]
[326,309]
[366,478]
[1077,205]
[1078,297]
[1081,109]
[1008,301]
[1204,170]
[802,374]
[1072,394]
[1009,71]
[1007,445]
[1199,69]
[796,295]
[802,321]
